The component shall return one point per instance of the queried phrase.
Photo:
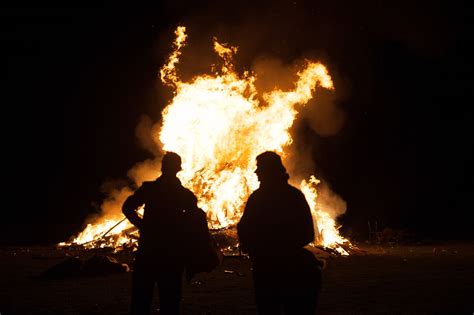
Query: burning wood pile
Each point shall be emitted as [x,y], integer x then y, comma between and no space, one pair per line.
[218,123]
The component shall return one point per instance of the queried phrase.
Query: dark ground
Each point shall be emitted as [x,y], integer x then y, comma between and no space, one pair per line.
[427,278]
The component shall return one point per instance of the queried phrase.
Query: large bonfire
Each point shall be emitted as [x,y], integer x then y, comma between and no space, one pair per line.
[218,125]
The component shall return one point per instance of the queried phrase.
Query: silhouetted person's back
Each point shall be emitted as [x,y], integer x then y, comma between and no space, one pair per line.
[164,236]
[274,228]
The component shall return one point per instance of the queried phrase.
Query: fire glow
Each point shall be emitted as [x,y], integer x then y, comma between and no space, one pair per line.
[218,125]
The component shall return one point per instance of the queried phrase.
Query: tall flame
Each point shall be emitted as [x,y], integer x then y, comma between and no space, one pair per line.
[168,72]
[218,126]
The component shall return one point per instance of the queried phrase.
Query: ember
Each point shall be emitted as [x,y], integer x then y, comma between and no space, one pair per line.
[218,125]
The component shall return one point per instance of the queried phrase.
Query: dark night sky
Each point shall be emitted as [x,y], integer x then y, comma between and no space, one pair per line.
[77,82]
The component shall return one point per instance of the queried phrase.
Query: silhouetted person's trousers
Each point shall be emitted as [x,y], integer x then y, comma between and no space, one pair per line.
[148,271]
[288,285]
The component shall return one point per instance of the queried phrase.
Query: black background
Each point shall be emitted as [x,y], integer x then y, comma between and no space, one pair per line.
[78,80]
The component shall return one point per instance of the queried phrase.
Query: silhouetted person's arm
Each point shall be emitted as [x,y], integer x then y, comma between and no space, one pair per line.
[131,205]
[303,220]
[246,226]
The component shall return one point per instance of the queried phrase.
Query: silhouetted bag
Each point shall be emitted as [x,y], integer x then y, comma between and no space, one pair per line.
[202,255]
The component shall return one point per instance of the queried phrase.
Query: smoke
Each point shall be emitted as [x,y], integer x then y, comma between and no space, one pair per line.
[331,202]
[145,131]
[112,205]
[145,171]
[299,161]
[272,73]
[322,112]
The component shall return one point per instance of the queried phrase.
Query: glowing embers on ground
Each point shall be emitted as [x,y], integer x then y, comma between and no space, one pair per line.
[218,125]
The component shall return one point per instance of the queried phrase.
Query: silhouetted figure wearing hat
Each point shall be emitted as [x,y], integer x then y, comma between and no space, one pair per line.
[273,230]
[173,233]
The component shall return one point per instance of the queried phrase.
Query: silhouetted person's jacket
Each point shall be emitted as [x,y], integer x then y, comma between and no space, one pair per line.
[165,225]
[276,221]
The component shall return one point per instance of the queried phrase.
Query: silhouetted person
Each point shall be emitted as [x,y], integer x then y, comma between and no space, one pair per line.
[171,229]
[273,230]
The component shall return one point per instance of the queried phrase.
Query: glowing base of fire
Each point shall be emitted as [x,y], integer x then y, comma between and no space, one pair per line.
[119,233]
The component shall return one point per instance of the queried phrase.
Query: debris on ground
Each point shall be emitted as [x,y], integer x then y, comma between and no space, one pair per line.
[102,265]
[69,267]
[234,272]
[97,265]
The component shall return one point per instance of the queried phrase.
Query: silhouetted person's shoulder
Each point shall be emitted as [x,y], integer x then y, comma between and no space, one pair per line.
[148,186]
[297,194]
[146,189]
[281,192]
[294,190]
[189,194]
[187,198]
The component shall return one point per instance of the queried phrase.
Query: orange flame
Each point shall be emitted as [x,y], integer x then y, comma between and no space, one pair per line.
[218,126]
[168,73]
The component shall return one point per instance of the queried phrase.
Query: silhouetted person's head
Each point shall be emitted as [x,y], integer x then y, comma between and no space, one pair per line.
[170,164]
[270,169]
